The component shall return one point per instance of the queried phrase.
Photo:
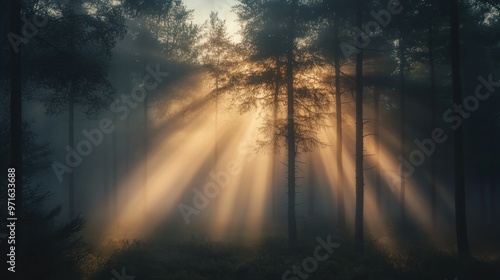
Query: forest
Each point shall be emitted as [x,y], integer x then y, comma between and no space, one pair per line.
[250,139]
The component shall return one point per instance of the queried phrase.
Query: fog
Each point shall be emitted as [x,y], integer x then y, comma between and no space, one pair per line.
[222,139]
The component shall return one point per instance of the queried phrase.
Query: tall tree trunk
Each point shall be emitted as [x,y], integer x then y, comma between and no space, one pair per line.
[358,223]
[292,226]
[402,82]
[128,139]
[71,142]
[378,168]
[433,121]
[216,115]
[145,140]
[311,188]
[338,110]
[277,86]
[493,186]
[114,187]
[71,109]
[16,123]
[482,193]
[460,205]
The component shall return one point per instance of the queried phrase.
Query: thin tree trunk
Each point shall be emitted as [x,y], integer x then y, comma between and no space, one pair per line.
[493,190]
[146,155]
[292,226]
[114,187]
[16,121]
[460,204]
[338,110]
[71,142]
[482,193]
[275,144]
[71,111]
[402,129]
[378,168]
[433,121]
[358,223]
[216,116]
[128,139]
[311,190]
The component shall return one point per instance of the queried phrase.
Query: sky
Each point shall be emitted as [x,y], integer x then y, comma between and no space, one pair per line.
[202,9]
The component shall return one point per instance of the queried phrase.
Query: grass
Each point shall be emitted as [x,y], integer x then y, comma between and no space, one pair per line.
[206,260]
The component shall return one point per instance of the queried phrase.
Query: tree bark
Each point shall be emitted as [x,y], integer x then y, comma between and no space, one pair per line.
[460,204]
[433,121]
[16,121]
[482,193]
[493,186]
[338,110]
[114,187]
[216,114]
[145,140]
[358,224]
[292,226]
[402,82]
[378,168]
[493,190]
[311,188]
[71,109]
[71,143]
[275,144]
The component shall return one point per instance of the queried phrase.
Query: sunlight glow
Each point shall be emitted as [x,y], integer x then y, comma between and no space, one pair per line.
[190,157]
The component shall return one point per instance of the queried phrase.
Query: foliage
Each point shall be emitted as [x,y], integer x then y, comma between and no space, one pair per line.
[269,260]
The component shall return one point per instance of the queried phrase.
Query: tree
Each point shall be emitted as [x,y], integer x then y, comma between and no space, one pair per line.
[73,69]
[272,46]
[460,210]
[479,51]
[175,32]
[45,248]
[432,78]
[217,53]
[378,168]
[433,21]
[16,111]
[338,111]
[137,8]
[16,116]
[402,81]
[358,223]
[329,42]
[290,56]
[263,44]
[405,40]
[168,32]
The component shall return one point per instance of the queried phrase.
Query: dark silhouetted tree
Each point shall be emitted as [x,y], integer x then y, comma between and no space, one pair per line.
[271,31]
[73,68]
[358,223]
[460,208]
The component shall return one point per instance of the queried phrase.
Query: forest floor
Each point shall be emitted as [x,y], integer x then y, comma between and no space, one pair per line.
[272,259]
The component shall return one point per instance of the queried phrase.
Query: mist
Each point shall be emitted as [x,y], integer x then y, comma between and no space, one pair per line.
[250,139]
